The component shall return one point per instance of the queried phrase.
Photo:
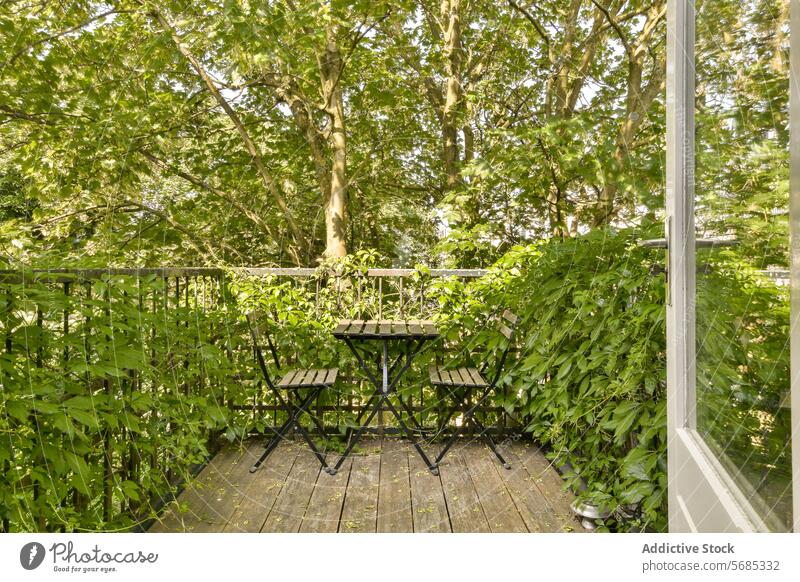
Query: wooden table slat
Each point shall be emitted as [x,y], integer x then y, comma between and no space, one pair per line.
[287,379]
[331,377]
[415,327]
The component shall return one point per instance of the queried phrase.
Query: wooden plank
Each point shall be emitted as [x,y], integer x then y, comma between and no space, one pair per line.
[385,328]
[307,379]
[355,327]
[537,513]
[370,328]
[463,504]
[549,483]
[224,500]
[359,513]
[325,507]
[427,499]
[319,378]
[286,381]
[433,370]
[193,499]
[415,327]
[497,504]
[290,506]
[507,331]
[330,378]
[342,327]
[399,328]
[429,329]
[510,317]
[394,500]
[477,378]
[463,378]
[264,487]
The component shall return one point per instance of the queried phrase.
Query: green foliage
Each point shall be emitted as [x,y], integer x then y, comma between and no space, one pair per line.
[589,379]
[106,410]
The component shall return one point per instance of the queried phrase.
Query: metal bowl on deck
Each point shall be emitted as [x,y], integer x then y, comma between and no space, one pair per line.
[589,513]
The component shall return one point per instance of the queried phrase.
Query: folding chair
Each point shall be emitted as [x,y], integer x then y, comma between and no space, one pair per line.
[471,379]
[310,382]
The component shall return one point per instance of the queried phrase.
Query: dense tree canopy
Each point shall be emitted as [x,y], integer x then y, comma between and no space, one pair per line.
[285,131]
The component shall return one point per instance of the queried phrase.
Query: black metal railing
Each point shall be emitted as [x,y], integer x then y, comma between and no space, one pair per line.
[119,381]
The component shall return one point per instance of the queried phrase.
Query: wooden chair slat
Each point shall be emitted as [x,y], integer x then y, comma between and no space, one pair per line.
[386,328]
[507,331]
[287,379]
[415,327]
[510,317]
[330,377]
[476,377]
[433,370]
[319,378]
[356,326]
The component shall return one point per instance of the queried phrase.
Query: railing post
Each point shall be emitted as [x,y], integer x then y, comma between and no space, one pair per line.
[6,523]
[108,471]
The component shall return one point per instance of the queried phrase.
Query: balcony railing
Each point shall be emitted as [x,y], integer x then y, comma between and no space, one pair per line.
[118,383]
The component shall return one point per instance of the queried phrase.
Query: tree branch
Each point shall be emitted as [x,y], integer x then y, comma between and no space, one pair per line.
[87,22]
[530,18]
[249,144]
[616,28]
[216,191]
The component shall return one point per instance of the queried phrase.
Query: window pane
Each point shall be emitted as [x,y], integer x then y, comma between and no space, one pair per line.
[742,193]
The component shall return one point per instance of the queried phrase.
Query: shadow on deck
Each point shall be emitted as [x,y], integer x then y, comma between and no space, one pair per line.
[386,488]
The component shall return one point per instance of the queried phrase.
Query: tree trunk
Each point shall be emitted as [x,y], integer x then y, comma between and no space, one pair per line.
[335,206]
[451,14]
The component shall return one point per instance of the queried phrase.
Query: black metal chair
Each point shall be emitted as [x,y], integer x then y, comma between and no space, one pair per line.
[471,379]
[307,385]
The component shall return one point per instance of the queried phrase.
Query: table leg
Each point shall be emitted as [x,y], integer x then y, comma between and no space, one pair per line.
[431,466]
[357,436]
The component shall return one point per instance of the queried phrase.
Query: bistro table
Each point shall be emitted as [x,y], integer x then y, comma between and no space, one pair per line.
[411,336]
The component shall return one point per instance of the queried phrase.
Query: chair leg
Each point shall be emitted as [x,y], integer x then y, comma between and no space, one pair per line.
[484,434]
[303,408]
[283,429]
[277,438]
[450,442]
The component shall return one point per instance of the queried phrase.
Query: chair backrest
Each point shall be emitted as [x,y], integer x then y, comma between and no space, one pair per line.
[507,327]
[259,332]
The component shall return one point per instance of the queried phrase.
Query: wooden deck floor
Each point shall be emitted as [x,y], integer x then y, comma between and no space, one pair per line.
[385,488]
